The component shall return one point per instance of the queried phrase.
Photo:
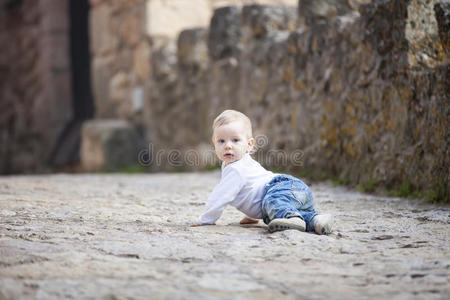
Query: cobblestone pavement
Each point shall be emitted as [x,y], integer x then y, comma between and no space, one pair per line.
[127,237]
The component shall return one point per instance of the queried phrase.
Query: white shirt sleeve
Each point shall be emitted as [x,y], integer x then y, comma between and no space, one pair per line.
[224,193]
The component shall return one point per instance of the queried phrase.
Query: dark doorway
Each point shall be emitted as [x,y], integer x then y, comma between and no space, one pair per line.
[67,147]
[80,59]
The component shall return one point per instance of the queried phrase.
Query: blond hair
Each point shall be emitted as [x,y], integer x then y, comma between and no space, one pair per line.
[228,116]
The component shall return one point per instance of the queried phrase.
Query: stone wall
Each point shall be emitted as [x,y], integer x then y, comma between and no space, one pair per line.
[35,98]
[120,53]
[120,33]
[168,18]
[341,82]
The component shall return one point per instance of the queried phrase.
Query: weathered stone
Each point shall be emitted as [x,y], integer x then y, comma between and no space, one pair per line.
[119,46]
[442,11]
[102,74]
[163,57]
[192,50]
[259,21]
[225,33]
[223,96]
[53,19]
[35,85]
[162,93]
[142,63]
[118,87]
[119,236]
[261,70]
[109,145]
[171,128]
[422,33]
[345,90]
[314,11]
[168,18]
[128,30]
[341,91]
[277,99]
[125,94]
[103,40]
[385,26]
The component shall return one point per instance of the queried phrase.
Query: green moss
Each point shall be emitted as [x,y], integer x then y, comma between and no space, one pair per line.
[177,169]
[133,169]
[313,174]
[344,180]
[439,194]
[368,187]
[406,190]
[304,172]
[277,170]
[213,167]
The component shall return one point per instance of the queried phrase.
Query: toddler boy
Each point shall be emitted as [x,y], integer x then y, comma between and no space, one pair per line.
[282,201]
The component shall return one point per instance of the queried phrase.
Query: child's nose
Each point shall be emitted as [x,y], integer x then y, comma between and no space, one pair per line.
[228,145]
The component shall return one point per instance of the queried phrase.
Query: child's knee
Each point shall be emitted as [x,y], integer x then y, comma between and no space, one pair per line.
[303,197]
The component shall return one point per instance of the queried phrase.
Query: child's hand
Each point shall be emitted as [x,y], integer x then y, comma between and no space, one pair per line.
[199,224]
[247,220]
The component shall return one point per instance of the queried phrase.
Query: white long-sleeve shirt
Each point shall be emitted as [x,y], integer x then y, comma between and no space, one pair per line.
[241,186]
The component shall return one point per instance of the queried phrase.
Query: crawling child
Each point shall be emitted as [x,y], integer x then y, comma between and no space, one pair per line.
[282,201]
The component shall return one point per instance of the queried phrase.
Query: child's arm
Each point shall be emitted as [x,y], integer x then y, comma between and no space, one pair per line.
[223,194]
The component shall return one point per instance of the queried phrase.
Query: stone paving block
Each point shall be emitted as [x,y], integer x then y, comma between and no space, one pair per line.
[113,236]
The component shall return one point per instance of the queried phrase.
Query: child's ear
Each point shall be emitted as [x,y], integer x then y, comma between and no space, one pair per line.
[251,142]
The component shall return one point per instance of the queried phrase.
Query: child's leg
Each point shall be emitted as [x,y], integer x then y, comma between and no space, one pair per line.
[277,202]
[321,224]
[304,203]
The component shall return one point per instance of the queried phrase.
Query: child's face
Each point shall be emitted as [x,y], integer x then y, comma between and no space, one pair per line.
[231,142]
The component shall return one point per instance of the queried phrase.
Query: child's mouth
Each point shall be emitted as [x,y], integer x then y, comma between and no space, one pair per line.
[228,155]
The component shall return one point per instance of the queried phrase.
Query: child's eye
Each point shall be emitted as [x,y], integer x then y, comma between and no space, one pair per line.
[221,141]
[235,140]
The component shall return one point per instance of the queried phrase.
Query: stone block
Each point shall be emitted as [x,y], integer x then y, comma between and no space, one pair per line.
[102,74]
[340,90]
[103,41]
[124,60]
[121,95]
[141,60]
[164,58]
[54,15]
[422,33]
[119,87]
[192,50]
[442,11]
[316,11]
[384,24]
[54,51]
[225,33]
[129,30]
[108,145]
[260,20]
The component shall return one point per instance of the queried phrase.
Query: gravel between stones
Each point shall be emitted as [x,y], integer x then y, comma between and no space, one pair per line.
[127,237]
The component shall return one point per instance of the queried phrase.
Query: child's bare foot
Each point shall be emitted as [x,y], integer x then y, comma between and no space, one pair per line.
[247,220]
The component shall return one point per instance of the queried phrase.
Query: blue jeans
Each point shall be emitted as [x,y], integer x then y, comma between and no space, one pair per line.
[285,197]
